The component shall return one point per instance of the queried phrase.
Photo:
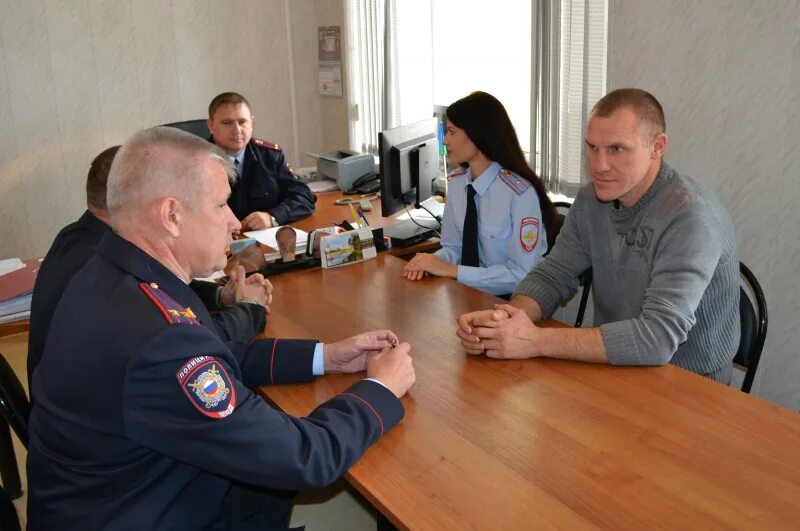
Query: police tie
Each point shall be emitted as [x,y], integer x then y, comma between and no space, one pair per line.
[469,242]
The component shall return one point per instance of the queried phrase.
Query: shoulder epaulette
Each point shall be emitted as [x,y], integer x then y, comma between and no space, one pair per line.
[174,312]
[265,144]
[457,173]
[514,181]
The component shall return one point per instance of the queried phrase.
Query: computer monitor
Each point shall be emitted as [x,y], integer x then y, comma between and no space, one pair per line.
[408,164]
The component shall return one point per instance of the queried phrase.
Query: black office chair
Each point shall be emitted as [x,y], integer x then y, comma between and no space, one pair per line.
[15,410]
[196,127]
[9,520]
[753,314]
[585,277]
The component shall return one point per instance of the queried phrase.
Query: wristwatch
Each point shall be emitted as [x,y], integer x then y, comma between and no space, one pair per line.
[273,220]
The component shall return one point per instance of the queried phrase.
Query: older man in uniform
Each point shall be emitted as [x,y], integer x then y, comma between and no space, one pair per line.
[242,304]
[144,417]
[267,193]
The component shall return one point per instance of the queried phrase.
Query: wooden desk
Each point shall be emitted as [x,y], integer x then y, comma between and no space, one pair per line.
[490,444]
[327,213]
[14,327]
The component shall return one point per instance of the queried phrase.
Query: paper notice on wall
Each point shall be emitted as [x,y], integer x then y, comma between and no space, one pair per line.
[330,60]
[330,79]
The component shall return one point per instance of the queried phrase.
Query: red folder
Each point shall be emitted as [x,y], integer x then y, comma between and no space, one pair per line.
[19,282]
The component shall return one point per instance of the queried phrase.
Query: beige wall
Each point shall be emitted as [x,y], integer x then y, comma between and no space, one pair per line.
[727,73]
[334,116]
[78,76]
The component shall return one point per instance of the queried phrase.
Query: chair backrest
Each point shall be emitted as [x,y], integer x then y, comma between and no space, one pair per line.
[14,404]
[753,315]
[558,222]
[196,127]
[586,277]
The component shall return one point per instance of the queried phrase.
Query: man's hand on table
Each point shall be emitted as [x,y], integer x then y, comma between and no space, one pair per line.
[379,353]
[257,221]
[394,368]
[504,332]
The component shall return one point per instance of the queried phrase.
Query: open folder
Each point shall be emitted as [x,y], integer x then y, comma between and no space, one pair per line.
[16,288]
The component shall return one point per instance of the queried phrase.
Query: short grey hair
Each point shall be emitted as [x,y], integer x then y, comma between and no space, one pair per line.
[161,162]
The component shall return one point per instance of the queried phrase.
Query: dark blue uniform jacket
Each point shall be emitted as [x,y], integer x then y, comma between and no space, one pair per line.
[144,418]
[266,184]
[70,251]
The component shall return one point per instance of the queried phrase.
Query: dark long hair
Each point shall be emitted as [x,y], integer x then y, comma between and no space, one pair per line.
[485,121]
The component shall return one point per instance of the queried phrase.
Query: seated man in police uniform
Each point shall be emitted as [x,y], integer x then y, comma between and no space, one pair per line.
[243,303]
[144,418]
[267,193]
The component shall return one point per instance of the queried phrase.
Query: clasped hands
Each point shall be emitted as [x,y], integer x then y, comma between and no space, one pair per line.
[505,332]
[240,287]
[379,352]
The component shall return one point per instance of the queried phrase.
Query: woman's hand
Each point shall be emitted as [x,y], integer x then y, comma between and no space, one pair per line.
[429,263]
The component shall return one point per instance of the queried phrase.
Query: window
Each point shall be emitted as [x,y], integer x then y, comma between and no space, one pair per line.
[571,40]
[544,60]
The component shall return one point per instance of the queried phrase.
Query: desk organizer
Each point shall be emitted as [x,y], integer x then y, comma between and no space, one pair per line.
[348,247]
[279,266]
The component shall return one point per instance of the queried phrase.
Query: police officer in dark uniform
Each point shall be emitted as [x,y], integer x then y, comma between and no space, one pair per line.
[267,193]
[239,318]
[144,417]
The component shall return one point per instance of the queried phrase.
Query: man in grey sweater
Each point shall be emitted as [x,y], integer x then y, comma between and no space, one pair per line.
[663,254]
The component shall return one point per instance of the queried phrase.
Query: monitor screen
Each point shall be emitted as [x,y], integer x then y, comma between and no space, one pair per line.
[408,164]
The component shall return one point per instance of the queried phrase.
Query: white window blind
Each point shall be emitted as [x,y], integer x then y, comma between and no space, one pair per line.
[571,39]
[545,60]
[365,52]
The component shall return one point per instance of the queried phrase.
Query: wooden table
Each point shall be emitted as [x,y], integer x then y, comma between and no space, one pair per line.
[326,213]
[488,444]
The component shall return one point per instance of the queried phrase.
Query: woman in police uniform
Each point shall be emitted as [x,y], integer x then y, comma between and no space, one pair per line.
[511,205]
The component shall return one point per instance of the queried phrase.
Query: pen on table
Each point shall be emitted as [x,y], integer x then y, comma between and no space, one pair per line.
[362,216]
[355,216]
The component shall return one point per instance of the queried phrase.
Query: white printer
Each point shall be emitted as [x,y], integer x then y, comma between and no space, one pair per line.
[345,167]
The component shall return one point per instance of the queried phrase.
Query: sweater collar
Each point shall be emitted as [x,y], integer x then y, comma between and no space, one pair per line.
[664,174]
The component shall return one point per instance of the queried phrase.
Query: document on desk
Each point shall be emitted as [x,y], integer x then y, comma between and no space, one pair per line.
[267,237]
[420,214]
[323,184]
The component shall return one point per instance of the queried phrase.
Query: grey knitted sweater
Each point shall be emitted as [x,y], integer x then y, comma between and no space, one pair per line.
[666,274]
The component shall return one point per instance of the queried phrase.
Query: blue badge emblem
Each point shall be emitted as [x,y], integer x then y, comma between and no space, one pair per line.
[206,383]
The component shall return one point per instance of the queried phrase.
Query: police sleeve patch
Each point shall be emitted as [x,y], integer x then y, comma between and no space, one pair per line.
[529,234]
[207,385]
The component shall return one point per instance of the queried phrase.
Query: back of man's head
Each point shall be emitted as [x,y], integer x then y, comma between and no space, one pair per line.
[226,98]
[642,103]
[155,164]
[97,180]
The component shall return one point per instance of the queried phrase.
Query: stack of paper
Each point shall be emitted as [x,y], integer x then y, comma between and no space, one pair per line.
[16,287]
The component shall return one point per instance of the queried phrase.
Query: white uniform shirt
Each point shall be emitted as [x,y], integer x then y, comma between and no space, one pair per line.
[511,235]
